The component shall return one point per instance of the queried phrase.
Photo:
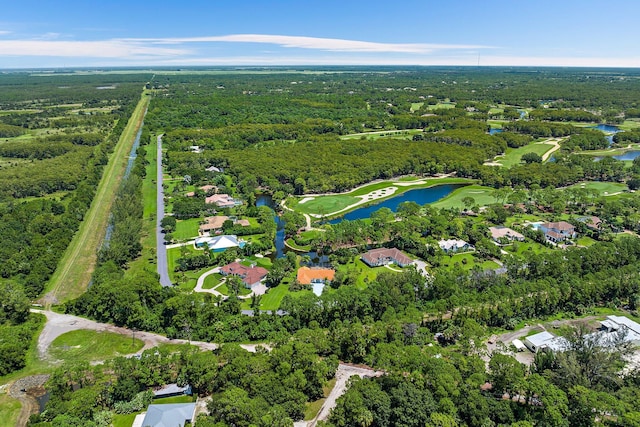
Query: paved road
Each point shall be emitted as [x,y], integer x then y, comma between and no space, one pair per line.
[213,291]
[161,250]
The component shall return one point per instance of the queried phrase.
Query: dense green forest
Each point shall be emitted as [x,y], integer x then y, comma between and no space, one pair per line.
[300,134]
[58,171]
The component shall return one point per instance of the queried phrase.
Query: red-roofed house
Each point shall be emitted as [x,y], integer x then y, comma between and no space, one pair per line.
[251,276]
[383,256]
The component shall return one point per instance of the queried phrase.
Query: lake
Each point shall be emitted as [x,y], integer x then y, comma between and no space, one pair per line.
[421,196]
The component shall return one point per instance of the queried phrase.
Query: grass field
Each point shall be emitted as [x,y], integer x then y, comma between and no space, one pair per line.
[89,345]
[467,261]
[527,248]
[415,106]
[9,410]
[324,205]
[481,195]
[402,133]
[272,299]
[74,271]
[513,155]
[444,104]
[630,124]
[603,188]
[212,281]
[186,229]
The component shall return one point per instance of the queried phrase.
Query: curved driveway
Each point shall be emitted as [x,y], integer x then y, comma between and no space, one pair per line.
[161,250]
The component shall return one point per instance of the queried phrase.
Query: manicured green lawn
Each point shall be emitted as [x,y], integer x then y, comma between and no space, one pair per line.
[444,104]
[323,205]
[186,229]
[175,399]
[212,281]
[90,345]
[525,248]
[415,106]
[630,124]
[125,420]
[604,188]
[513,155]
[260,262]
[481,195]
[366,274]
[272,299]
[467,261]
[585,241]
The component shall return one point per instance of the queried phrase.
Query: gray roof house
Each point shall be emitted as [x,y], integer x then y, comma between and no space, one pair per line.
[171,390]
[545,341]
[169,415]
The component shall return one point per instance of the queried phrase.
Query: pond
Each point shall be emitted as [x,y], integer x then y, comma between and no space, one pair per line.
[607,128]
[629,155]
[493,131]
[421,196]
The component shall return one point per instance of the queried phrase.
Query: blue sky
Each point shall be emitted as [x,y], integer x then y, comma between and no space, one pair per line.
[76,33]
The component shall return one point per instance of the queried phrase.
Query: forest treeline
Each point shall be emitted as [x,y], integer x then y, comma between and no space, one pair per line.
[34,234]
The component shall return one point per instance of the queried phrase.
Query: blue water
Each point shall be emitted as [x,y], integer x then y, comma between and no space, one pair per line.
[607,128]
[421,196]
[629,155]
[493,131]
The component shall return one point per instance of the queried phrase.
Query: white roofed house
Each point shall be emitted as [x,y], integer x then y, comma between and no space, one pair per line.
[545,341]
[454,245]
[501,234]
[221,243]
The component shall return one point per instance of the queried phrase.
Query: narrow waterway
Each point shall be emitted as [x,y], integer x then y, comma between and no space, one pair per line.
[130,162]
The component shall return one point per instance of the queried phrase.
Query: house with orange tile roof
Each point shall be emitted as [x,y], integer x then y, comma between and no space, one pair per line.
[308,276]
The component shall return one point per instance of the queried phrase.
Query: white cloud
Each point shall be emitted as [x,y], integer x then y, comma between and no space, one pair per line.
[318,43]
[313,51]
[92,49]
